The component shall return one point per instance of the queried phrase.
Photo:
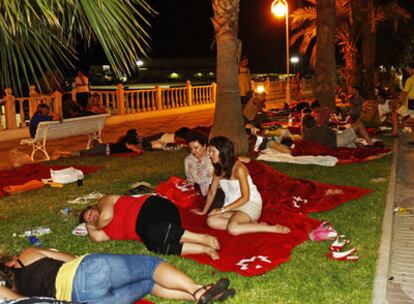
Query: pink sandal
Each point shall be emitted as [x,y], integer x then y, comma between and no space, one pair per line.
[323,232]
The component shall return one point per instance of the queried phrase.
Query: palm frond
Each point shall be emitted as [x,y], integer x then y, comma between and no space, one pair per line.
[301,16]
[39,37]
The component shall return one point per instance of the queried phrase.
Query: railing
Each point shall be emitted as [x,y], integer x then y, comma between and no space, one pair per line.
[16,112]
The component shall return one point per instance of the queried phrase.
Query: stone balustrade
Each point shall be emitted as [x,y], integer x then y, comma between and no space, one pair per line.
[16,112]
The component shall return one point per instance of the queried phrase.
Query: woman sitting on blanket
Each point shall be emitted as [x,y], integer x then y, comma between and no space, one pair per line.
[243,203]
[199,168]
[128,143]
[100,278]
[150,218]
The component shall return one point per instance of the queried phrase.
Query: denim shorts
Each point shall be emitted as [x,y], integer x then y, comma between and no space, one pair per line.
[114,278]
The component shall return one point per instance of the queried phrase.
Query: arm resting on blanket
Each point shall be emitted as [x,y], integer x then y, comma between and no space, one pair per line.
[211,193]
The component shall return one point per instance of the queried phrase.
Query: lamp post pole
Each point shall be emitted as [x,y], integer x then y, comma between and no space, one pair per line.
[280,8]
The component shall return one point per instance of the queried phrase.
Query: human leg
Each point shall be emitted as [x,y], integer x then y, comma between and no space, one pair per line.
[360,129]
[111,278]
[219,221]
[173,284]
[241,223]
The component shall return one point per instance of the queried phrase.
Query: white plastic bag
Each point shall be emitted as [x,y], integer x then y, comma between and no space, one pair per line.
[66,176]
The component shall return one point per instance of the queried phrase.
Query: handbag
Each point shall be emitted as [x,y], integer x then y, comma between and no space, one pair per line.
[410,104]
[66,176]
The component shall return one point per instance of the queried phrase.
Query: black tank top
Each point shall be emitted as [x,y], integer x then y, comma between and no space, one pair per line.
[38,278]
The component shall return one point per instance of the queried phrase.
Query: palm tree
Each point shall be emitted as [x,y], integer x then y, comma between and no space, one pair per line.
[352,27]
[228,119]
[391,11]
[325,79]
[38,38]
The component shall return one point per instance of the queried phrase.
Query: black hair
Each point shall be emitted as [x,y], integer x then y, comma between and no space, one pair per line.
[6,273]
[182,132]
[193,136]
[131,137]
[81,215]
[287,141]
[308,121]
[226,153]
[315,104]
[43,106]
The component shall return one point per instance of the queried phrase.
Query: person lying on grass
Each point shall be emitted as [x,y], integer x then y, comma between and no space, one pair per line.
[243,203]
[150,218]
[100,278]
[128,143]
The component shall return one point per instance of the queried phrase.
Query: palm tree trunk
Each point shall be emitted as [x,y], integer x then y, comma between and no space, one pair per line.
[228,118]
[325,79]
[369,53]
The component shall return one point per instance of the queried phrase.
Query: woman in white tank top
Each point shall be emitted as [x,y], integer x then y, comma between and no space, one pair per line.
[243,203]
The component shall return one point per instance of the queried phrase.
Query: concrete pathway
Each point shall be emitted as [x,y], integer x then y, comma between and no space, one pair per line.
[111,133]
[400,287]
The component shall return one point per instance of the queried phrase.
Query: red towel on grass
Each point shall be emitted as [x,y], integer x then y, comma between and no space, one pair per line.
[344,155]
[26,173]
[285,201]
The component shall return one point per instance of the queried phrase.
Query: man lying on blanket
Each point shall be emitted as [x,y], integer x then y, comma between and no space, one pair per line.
[327,137]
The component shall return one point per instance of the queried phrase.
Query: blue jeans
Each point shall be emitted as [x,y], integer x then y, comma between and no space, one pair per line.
[114,278]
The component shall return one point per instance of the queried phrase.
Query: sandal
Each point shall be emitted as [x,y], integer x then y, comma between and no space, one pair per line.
[225,294]
[217,289]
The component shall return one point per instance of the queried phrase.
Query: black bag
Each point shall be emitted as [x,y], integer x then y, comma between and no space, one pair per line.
[410,104]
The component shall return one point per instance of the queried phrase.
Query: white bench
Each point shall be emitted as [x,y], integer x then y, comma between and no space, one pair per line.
[47,130]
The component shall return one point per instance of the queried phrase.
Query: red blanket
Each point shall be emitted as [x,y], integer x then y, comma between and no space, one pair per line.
[344,155]
[26,173]
[285,201]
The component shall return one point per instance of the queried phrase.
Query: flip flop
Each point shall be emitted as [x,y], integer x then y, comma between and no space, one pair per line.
[217,289]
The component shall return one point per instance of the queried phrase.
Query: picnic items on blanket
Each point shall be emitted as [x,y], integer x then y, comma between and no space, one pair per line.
[180,192]
[26,173]
[29,186]
[286,201]
[66,176]
[84,199]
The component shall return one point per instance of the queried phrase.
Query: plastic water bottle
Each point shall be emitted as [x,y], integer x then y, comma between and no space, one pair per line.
[35,241]
[41,231]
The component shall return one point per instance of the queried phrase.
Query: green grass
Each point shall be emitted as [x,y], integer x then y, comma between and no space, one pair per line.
[309,277]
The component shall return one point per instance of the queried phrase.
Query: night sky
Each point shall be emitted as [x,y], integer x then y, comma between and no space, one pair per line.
[183,29]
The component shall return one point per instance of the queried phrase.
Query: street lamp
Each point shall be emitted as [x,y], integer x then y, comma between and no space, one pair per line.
[294,60]
[280,8]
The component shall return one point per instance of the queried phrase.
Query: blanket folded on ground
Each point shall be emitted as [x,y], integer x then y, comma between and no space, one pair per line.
[272,155]
[26,173]
[286,201]
[344,155]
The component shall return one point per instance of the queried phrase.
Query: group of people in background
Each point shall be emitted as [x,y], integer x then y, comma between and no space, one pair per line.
[84,104]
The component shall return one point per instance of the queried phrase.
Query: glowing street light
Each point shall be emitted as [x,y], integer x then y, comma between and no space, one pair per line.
[294,59]
[280,8]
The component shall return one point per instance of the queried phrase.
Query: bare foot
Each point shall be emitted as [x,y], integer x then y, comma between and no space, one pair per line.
[330,192]
[212,253]
[280,229]
[211,241]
